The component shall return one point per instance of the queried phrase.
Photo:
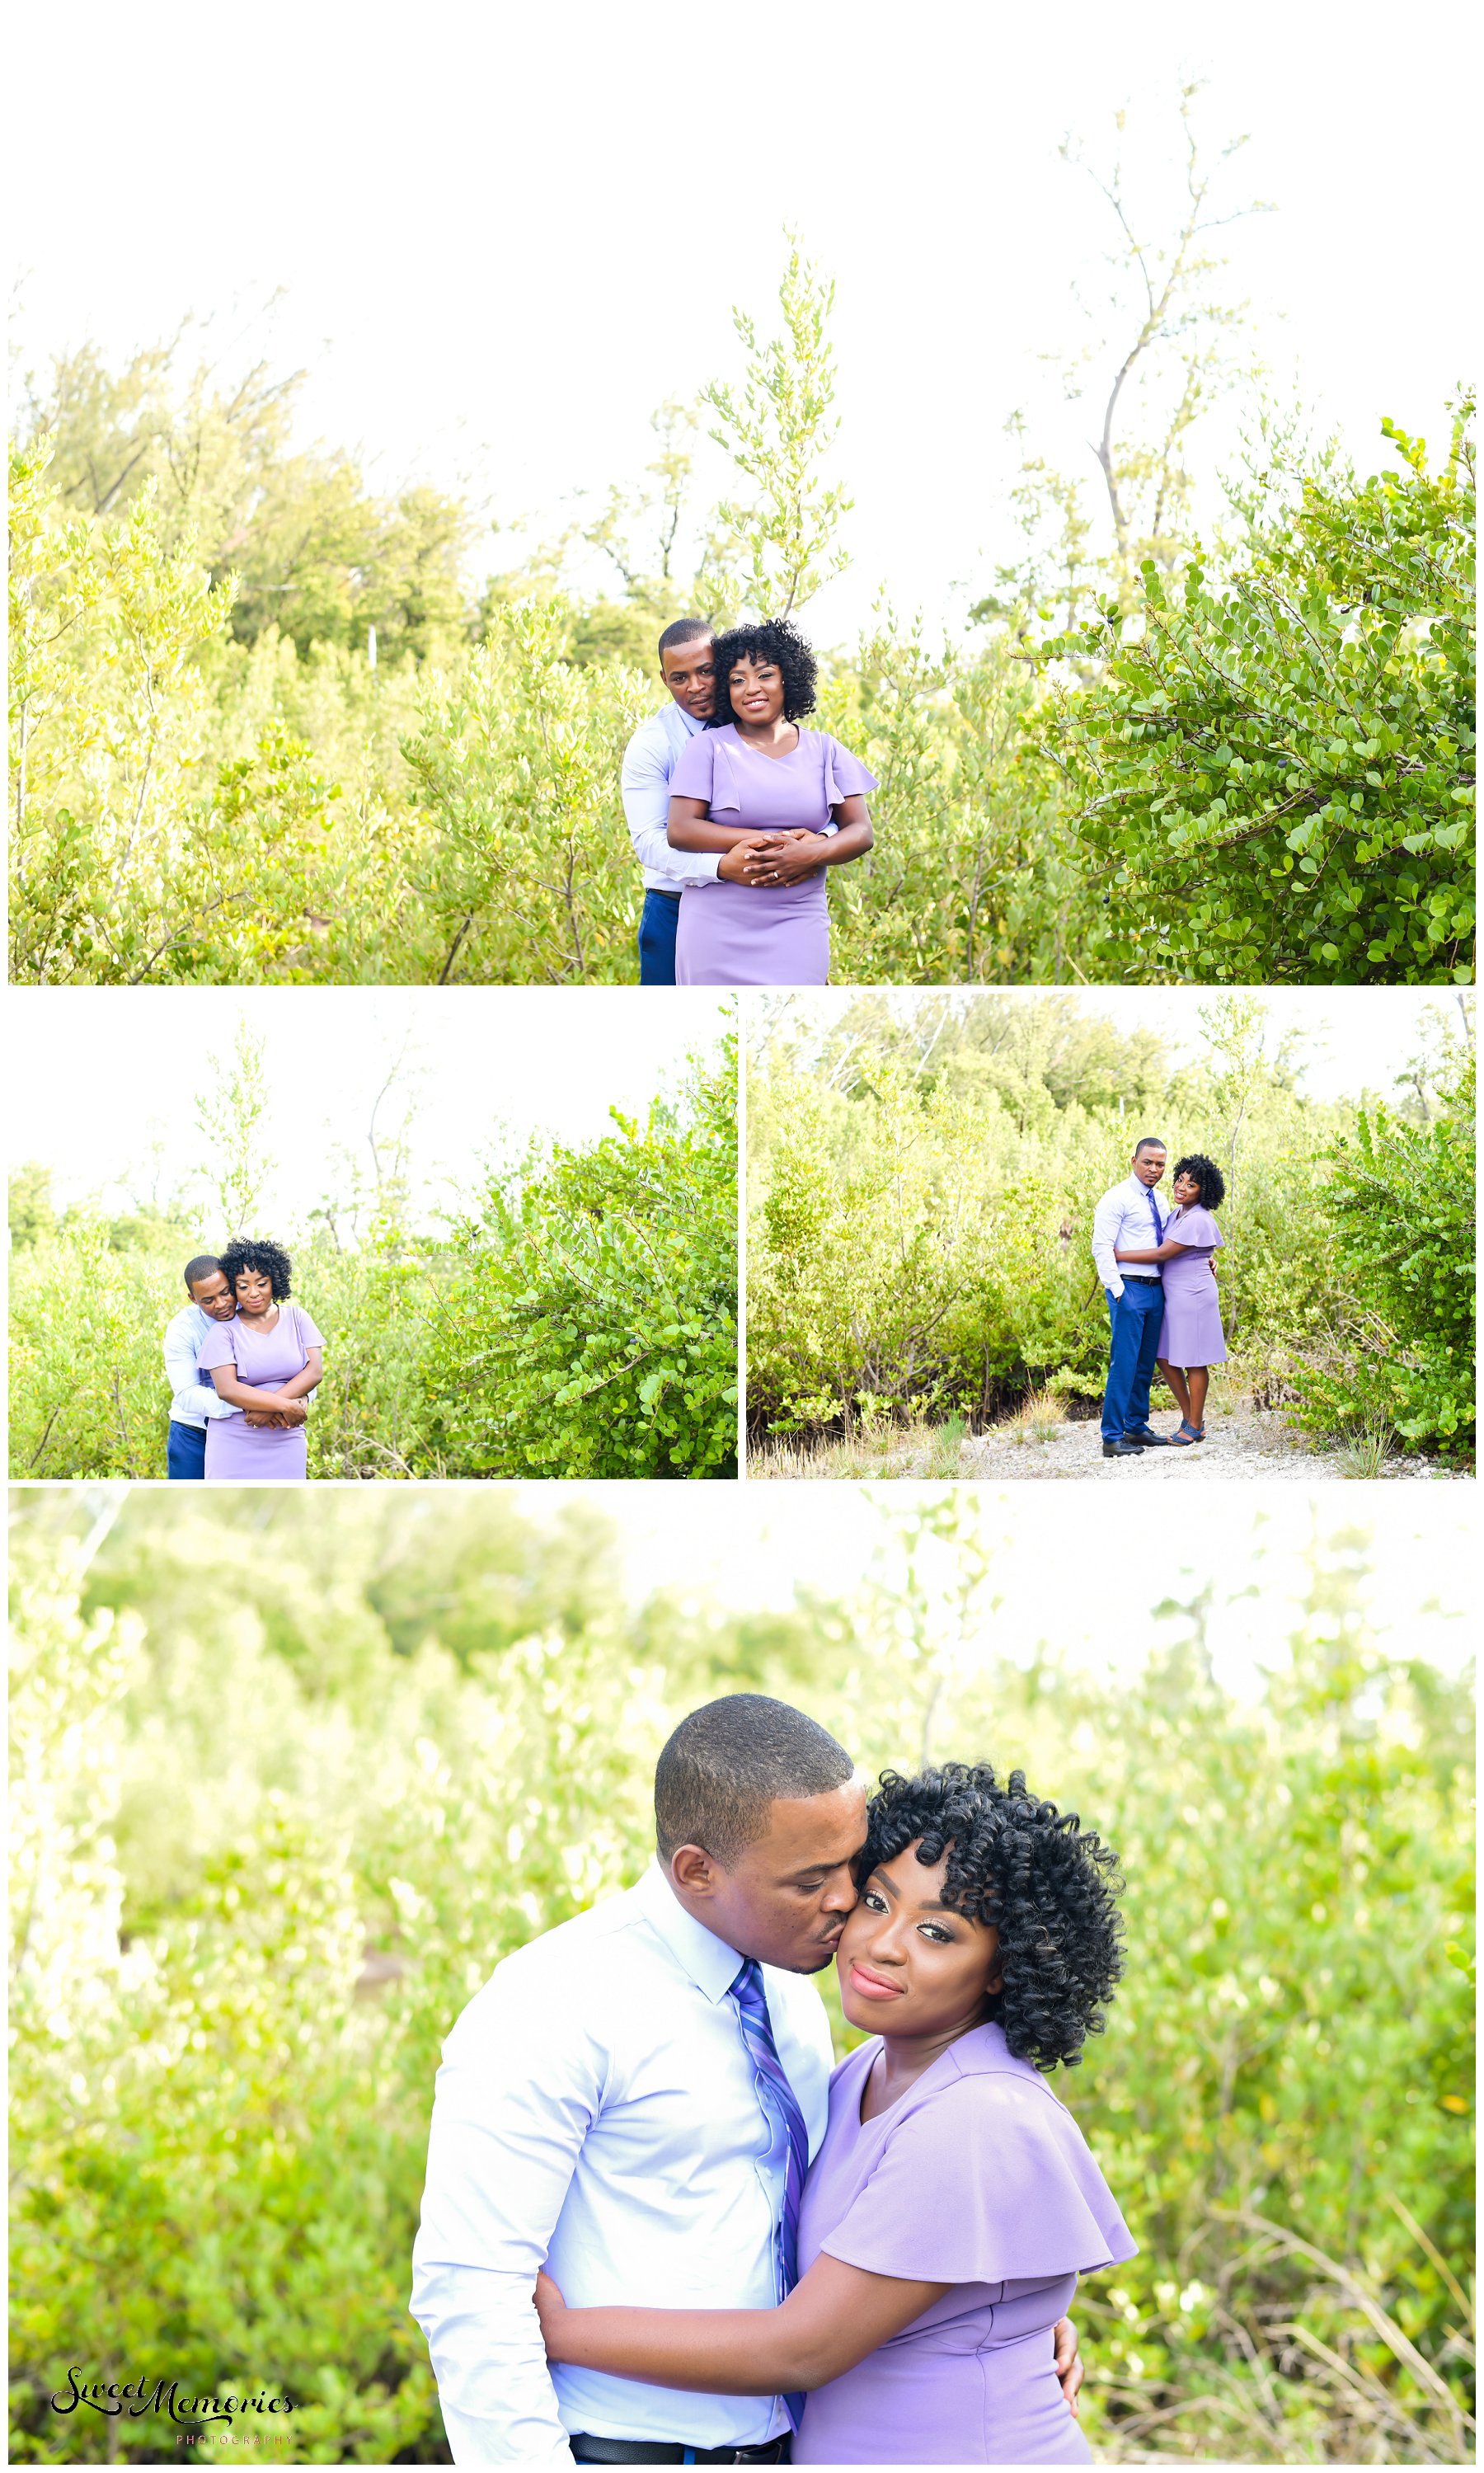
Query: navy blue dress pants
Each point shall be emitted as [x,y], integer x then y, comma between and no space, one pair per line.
[662,917]
[186,1453]
[1136,1317]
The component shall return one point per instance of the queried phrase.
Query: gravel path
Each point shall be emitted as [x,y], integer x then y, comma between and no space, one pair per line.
[1241,1441]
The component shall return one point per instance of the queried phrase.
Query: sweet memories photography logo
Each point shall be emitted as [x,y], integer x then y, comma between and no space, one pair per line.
[139,2396]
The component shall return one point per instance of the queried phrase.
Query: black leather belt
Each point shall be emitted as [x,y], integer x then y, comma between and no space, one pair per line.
[667,2451]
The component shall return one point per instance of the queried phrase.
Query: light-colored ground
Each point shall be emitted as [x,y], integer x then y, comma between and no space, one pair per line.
[1241,1442]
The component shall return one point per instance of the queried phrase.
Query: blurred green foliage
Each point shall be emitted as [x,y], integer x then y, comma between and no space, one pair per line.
[290,1774]
[920,1194]
[578,1319]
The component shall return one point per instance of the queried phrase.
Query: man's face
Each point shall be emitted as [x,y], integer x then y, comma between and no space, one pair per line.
[1149,1165]
[689,672]
[214,1297]
[785,1900]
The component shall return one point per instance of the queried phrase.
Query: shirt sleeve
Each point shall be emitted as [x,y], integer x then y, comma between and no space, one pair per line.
[518,2091]
[188,1394]
[646,783]
[1107,1220]
[988,2182]
[202,1400]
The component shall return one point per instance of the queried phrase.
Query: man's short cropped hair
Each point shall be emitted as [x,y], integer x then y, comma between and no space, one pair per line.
[684,631]
[727,1763]
[1150,1143]
[201,1268]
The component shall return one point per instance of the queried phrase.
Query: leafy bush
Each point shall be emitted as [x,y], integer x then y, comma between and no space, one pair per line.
[587,1323]
[529,871]
[920,1273]
[1276,766]
[159,837]
[1398,1350]
[417,1730]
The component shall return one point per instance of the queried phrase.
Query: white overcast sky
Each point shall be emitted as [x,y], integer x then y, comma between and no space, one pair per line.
[753,1546]
[1353,1038]
[106,1073]
[504,233]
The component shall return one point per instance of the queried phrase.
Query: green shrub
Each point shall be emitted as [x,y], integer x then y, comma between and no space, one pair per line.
[586,1324]
[1399,1348]
[1276,767]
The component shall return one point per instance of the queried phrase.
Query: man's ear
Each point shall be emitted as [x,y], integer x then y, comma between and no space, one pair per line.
[694,1870]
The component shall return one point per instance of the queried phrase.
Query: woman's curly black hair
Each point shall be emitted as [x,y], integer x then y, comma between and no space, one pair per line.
[1208,1176]
[1048,1885]
[772,640]
[257,1254]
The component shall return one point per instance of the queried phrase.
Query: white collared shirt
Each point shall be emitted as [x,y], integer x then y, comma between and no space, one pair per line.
[597,2112]
[192,1400]
[650,759]
[1123,1217]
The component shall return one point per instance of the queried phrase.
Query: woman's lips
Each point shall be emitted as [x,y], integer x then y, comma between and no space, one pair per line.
[874,1987]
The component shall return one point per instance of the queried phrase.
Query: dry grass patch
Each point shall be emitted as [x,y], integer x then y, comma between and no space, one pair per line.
[1039,1419]
[917,1450]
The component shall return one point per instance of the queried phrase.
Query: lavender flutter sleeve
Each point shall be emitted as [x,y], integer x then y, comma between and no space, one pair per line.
[988,2183]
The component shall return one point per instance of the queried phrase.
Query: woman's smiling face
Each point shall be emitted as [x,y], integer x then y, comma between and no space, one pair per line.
[757,690]
[1186,1189]
[254,1293]
[908,1965]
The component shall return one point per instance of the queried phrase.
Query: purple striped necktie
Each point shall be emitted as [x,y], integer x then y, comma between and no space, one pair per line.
[1159,1231]
[747,1991]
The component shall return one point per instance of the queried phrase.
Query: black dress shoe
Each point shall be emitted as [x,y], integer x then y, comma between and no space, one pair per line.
[1124,1450]
[1144,1434]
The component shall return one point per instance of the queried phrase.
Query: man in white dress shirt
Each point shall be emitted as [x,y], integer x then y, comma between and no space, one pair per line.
[598,2110]
[1130,1214]
[608,2107]
[688,669]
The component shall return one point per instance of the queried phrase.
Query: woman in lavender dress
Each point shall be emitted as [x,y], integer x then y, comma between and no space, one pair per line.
[792,798]
[266,1361]
[953,2202]
[1191,1339]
